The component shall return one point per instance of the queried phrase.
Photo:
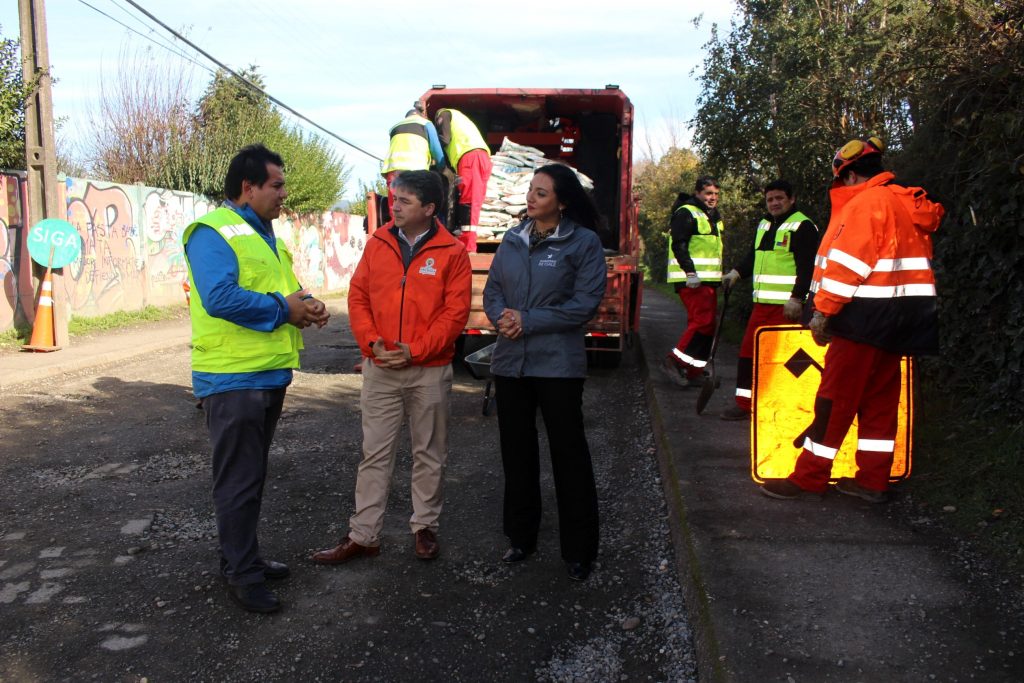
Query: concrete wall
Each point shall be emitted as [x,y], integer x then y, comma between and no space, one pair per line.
[132,254]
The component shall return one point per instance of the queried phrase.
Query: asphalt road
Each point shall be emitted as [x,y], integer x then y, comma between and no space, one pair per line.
[108,552]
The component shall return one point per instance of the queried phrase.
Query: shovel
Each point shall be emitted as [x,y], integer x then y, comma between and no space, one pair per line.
[711,381]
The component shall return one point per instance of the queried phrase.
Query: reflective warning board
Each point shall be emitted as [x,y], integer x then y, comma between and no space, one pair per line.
[787,371]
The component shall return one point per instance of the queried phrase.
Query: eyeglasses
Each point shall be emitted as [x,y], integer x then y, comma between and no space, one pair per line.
[853,150]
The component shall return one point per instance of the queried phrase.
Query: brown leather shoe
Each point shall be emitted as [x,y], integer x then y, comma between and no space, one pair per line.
[427,546]
[345,551]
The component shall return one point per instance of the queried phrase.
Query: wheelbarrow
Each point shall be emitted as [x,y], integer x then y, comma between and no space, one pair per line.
[479,365]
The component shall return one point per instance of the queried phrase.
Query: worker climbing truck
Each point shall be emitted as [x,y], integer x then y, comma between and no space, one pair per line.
[591,131]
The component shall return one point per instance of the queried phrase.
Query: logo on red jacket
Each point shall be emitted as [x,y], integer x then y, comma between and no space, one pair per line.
[428,268]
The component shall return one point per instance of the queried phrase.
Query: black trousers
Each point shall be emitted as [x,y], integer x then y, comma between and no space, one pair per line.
[242,425]
[561,406]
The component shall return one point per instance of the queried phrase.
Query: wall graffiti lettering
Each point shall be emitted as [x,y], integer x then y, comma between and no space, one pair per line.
[109,275]
[132,254]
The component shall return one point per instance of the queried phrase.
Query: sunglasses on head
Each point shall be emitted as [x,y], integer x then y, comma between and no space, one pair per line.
[854,149]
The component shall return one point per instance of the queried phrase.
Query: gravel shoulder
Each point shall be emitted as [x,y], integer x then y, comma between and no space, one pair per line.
[108,550]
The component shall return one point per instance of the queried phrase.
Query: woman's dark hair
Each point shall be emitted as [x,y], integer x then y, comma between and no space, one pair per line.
[249,164]
[579,206]
[705,181]
[425,185]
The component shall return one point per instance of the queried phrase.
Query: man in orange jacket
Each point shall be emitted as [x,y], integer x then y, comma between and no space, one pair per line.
[408,302]
[874,299]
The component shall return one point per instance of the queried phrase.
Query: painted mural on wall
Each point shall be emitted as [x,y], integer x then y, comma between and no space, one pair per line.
[132,254]
[109,276]
[15,268]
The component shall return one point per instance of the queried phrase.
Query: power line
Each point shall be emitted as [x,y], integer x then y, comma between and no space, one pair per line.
[149,38]
[249,83]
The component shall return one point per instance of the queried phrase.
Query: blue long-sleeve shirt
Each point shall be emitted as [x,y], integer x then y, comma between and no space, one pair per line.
[436,150]
[215,274]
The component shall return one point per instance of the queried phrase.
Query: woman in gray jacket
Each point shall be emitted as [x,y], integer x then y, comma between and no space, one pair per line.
[546,281]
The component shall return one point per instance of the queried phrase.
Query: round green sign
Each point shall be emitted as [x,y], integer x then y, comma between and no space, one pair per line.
[54,243]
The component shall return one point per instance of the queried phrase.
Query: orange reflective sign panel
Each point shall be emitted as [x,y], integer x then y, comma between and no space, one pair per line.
[787,371]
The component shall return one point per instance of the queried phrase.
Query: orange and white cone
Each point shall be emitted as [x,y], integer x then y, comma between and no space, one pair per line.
[42,328]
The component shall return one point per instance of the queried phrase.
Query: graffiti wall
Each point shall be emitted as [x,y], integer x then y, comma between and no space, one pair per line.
[15,268]
[132,254]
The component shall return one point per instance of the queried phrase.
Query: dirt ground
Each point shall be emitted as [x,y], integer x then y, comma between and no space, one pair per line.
[108,551]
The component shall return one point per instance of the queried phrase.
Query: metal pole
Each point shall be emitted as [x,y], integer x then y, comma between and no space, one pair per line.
[40,145]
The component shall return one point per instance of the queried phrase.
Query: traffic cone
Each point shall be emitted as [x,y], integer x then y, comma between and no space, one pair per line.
[42,328]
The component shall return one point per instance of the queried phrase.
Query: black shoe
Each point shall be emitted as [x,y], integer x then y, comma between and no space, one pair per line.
[578,571]
[515,554]
[255,597]
[275,571]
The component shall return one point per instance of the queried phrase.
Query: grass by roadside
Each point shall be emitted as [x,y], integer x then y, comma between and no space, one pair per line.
[968,474]
[80,326]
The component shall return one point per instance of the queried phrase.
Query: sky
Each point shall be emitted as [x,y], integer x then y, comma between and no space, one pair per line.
[356,67]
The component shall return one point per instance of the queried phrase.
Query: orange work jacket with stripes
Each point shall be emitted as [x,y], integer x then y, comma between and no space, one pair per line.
[425,305]
[873,274]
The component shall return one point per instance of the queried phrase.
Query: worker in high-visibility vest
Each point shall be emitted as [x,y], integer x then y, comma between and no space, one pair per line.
[247,310]
[781,261]
[695,268]
[874,299]
[469,155]
[414,146]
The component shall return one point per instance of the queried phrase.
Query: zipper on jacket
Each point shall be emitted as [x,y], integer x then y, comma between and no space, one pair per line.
[405,275]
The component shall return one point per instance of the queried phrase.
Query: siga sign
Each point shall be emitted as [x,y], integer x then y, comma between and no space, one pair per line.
[54,243]
[787,372]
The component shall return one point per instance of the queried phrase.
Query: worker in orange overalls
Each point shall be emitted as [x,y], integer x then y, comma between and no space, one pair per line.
[873,295]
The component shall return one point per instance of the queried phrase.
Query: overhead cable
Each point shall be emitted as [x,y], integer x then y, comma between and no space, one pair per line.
[249,83]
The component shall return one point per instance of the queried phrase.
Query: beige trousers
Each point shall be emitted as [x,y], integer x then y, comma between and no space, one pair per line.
[422,394]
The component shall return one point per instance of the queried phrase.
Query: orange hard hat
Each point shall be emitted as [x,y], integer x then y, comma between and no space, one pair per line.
[853,150]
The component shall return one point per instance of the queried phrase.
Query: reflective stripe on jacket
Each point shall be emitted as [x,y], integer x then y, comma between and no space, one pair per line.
[705,249]
[224,347]
[425,306]
[873,274]
[775,269]
[409,149]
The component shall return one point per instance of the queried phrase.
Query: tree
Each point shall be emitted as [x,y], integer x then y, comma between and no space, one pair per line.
[658,183]
[147,130]
[14,92]
[230,115]
[943,83]
[143,118]
[358,205]
[794,79]
[316,176]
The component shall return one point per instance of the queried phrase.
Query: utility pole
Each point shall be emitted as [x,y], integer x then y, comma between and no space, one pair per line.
[40,146]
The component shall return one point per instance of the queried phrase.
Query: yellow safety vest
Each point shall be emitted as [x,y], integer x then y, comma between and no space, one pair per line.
[705,250]
[410,148]
[465,137]
[775,270]
[222,346]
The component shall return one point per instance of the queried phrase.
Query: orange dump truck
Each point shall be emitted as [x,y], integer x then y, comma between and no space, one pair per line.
[592,131]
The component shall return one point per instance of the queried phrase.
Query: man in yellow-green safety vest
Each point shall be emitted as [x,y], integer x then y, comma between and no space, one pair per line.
[470,156]
[414,146]
[782,262]
[695,268]
[247,308]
